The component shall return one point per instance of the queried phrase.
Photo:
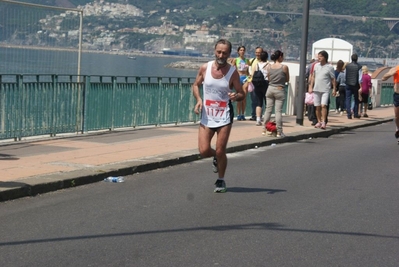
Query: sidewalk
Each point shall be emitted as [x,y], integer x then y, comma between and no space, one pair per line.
[34,167]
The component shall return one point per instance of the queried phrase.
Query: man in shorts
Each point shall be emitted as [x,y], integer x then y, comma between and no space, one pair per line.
[218,79]
[394,71]
[321,81]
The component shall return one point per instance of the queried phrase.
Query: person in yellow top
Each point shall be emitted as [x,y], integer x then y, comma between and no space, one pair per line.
[242,65]
[394,71]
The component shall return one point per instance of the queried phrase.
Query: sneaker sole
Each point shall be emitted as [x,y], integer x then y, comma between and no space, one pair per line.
[220,190]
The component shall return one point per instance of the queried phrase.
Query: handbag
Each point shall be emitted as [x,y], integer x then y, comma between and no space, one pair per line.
[309,99]
[250,87]
[370,104]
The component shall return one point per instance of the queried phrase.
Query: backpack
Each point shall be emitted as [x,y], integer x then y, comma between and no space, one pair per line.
[258,79]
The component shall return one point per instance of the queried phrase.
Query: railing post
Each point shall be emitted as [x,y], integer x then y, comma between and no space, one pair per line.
[161,92]
[54,80]
[113,112]
[85,95]
[19,115]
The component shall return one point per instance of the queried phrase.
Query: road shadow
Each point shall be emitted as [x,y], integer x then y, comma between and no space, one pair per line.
[8,157]
[233,227]
[254,190]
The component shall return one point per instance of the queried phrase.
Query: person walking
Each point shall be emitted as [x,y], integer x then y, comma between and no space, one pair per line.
[394,71]
[260,91]
[339,107]
[352,76]
[218,78]
[242,65]
[365,91]
[278,76]
[341,86]
[322,79]
[253,64]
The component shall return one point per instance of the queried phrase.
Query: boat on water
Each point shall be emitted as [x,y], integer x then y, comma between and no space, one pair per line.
[131,57]
[182,52]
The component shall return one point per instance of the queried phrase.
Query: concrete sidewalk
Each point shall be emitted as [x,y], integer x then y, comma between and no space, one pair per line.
[34,167]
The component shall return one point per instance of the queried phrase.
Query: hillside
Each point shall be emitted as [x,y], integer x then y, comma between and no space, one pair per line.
[244,22]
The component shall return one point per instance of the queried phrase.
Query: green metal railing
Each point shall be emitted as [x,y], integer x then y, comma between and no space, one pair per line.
[33,105]
[386,94]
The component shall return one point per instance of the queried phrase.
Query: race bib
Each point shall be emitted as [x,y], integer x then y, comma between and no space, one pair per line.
[215,109]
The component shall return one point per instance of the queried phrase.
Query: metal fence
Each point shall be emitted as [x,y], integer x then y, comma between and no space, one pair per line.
[32,105]
[386,94]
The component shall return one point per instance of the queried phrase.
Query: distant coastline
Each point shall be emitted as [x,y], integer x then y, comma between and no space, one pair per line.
[111,52]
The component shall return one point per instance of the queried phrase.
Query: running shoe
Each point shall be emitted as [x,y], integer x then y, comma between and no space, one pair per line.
[220,186]
[258,123]
[280,135]
[323,125]
[215,165]
[397,134]
[318,125]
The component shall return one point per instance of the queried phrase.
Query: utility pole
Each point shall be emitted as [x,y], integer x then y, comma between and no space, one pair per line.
[302,68]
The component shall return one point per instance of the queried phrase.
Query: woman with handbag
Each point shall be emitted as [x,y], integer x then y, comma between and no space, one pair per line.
[364,91]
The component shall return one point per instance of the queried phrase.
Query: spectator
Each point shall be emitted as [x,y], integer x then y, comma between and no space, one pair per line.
[254,99]
[365,90]
[278,76]
[341,86]
[261,92]
[321,81]
[242,66]
[352,86]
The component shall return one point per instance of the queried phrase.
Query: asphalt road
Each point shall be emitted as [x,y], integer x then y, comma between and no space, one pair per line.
[320,202]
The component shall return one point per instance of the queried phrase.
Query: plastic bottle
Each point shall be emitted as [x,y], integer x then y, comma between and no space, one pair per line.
[115,179]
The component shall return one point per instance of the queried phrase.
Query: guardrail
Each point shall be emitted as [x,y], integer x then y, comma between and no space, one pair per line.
[33,105]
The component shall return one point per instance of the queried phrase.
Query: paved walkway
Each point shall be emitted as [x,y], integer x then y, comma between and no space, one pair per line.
[38,166]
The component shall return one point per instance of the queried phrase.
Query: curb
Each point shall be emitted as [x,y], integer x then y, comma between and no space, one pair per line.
[49,183]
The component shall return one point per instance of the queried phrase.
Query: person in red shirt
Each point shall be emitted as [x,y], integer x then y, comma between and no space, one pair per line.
[365,90]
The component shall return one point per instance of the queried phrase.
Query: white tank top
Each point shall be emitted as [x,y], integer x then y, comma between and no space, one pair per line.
[216,106]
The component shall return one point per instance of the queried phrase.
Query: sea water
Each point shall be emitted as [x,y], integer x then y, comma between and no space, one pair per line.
[28,61]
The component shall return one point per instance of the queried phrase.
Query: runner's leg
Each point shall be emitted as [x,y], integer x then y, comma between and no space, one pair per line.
[223,134]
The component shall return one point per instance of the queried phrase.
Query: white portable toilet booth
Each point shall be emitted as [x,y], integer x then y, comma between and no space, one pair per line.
[336,48]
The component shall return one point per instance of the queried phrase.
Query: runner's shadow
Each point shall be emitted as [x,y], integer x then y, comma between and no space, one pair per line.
[8,157]
[254,190]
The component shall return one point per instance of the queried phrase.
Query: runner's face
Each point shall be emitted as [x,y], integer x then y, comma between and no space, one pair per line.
[222,54]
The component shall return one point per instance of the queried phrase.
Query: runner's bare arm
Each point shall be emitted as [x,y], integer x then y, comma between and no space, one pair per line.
[196,92]
[389,74]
